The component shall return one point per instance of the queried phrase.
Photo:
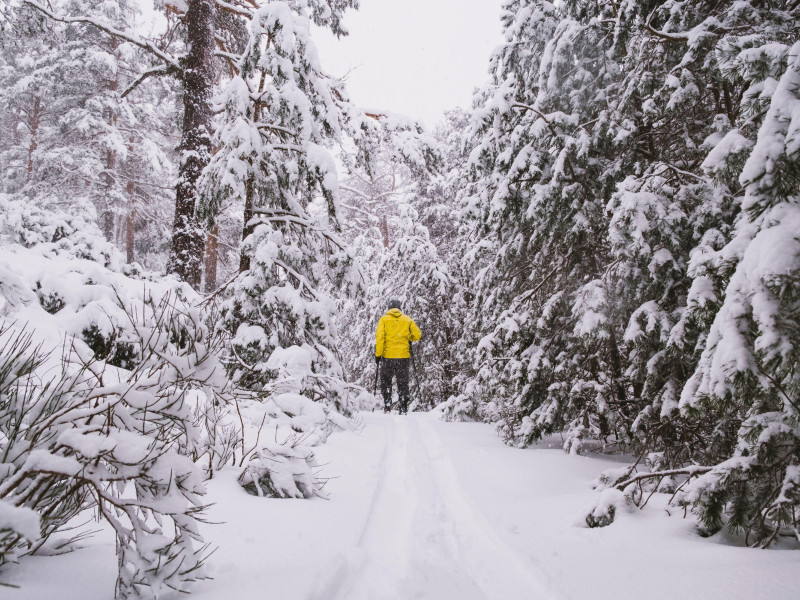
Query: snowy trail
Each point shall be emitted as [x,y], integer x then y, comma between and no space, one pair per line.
[424,509]
[422,537]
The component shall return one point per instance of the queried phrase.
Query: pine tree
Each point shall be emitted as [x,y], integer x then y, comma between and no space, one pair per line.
[76,143]
[412,271]
[750,362]
[195,69]
[669,228]
[540,178]
[601,186]
[280,113]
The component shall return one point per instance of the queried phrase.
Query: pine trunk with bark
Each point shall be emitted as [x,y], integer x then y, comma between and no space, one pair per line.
[36,113]
[212,254]
[250,191]
[130,224]
[186,252]
[108,217]
[247,229]
[108,177]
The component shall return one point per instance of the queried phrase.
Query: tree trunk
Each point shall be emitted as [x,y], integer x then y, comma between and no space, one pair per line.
[186,252]
[130,220]
[130,224]
[212,251]
[384,227]
[36,113]
[108,179]
[247,229]
[15,120]
[250,191]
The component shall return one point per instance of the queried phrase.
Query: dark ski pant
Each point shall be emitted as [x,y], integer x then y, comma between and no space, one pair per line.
[395,368]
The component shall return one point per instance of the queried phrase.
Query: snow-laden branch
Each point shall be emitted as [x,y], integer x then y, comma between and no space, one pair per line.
[671,37]
[358,210]
[376,197]
[691,471]
[230,56]
[710,25]
[271,215]
[232,8]
[171,61]
[538,113]
[290,147]
[273,127]
[299,277]
[158,71]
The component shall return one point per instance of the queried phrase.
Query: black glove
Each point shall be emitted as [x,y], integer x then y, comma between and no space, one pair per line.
[377,360]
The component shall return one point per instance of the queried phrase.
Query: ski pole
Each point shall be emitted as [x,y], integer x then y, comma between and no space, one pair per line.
[416,375]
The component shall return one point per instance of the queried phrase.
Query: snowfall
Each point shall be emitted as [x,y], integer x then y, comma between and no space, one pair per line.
[422,508]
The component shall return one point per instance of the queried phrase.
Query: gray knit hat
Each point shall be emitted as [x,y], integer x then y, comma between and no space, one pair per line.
[394,304]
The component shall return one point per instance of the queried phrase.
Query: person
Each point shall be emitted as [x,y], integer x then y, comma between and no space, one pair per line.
[393,339]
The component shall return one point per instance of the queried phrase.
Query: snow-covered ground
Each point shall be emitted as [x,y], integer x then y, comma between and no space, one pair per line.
[420,508]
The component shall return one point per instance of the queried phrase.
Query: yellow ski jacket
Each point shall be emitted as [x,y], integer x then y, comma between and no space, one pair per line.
[395,331]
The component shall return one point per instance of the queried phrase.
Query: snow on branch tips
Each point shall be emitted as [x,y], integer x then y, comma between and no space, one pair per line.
[125,443]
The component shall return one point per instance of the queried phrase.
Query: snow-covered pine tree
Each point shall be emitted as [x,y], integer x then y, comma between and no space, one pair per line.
[370,200]
[195,68]
[750,363]
[76,144]
[438,212]
[541,173]
[437,298]
[603,345]
[465,257]
[282,115]
[280,111]
[672,107]
[671,221]
[414,271]
[386,209]
[371,197]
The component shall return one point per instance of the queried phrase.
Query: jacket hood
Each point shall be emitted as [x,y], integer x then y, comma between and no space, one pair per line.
[395,312]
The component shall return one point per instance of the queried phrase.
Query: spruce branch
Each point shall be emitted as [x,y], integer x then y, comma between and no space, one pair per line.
[710,24]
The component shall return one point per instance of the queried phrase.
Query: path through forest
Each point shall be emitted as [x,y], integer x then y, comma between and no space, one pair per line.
[422,536]
[424,509]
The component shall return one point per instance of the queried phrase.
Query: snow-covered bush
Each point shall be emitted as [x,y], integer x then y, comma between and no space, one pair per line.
[78,433]
[287,470]
[286,467]
[605,510]
[55,232]
[461,407]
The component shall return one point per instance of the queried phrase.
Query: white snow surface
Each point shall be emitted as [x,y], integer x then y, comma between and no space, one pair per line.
[421,508]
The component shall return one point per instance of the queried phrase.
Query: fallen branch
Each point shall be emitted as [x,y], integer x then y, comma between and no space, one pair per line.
[692,471]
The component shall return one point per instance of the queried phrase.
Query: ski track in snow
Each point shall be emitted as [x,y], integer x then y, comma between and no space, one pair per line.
[422,537]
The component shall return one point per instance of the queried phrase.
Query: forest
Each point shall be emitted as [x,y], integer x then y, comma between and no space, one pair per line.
[197,222]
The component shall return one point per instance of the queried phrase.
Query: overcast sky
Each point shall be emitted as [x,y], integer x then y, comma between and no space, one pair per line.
[416,57]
